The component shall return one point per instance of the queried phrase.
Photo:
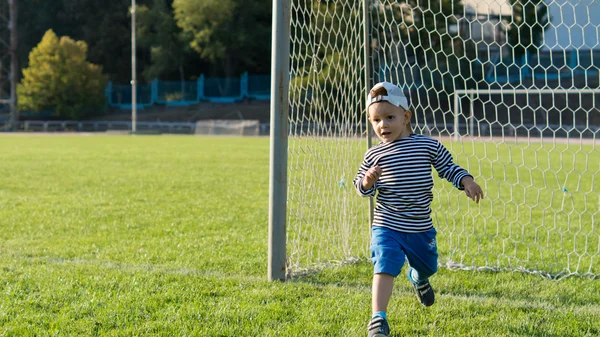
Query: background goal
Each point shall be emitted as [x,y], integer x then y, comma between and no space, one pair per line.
[228,127]
[510,87]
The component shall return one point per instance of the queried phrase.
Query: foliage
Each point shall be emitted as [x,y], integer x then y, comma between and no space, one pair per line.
[231,36]
[60,78]
[234,35]
[169,47]
[104,25]
[530,19]
[328,56]
[421,35]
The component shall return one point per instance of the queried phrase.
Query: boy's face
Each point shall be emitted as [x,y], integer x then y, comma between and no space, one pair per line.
[388,121]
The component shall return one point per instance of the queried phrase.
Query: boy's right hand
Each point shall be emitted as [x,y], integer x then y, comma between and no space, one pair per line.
[371,177]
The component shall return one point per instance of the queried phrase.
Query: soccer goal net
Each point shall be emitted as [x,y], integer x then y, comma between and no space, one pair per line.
[228,127]
[511,87]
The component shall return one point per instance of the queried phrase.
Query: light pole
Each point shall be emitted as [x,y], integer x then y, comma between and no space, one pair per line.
[133,72]
[14,113]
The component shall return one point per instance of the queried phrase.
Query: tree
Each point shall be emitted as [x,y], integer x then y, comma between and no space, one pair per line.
[233,34]
[530,19]
[328,57]
[170,50]
[420,35]
[104,25]
[106,28]
[59,78]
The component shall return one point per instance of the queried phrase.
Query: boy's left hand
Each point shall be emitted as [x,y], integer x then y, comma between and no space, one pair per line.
[472,190]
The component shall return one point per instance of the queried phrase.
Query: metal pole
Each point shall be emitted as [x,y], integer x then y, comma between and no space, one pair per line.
[14,113]
[456,107]
[133,71]
[471,117]
[280,50]
[367,56]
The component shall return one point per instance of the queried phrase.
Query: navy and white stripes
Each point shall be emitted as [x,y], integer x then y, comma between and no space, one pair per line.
[405,185]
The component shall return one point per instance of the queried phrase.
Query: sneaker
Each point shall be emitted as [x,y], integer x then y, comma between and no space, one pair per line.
[424,293]
[378,327]
[423,290]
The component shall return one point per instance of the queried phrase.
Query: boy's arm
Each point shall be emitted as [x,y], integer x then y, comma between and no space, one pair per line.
[447,169]
[358,180]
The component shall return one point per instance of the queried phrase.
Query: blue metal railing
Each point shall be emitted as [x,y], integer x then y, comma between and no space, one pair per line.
[183,93]
[530,67]
[545,65]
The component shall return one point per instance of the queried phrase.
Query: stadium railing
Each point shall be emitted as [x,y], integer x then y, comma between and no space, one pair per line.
[184,93]
[545,65]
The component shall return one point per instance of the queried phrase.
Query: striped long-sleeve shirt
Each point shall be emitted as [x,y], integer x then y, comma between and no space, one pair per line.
[405,185]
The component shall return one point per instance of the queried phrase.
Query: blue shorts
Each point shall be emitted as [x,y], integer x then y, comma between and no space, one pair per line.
[389,250]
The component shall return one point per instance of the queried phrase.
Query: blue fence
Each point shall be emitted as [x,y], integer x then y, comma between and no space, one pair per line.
[178,93]
[549,65]
[581,65]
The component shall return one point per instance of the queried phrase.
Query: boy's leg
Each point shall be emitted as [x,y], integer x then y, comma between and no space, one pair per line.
[422,256]
[421,253]
[388,259]
[382,291]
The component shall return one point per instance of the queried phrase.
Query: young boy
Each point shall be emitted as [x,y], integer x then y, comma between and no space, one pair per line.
[399,168]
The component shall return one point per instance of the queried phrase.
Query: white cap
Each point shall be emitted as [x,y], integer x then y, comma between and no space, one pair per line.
[395,95]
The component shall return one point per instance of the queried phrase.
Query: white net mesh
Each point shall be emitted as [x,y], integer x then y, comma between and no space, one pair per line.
[327,223]
[511,87]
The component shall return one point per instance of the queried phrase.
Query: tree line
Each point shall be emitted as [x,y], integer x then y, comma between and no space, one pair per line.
[181,39]
[175,37]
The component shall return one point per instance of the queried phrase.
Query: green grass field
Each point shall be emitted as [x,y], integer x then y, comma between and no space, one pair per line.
[167,236]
